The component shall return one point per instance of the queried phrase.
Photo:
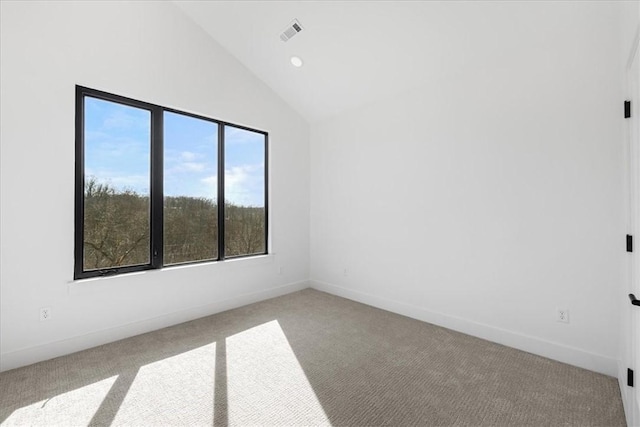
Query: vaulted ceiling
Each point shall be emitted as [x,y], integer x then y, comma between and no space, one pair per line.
[356,52]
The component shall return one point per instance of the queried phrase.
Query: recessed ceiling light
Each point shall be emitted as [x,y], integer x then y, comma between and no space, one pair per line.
[296,61]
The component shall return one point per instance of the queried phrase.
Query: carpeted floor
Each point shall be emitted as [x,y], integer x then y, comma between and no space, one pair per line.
[307,358]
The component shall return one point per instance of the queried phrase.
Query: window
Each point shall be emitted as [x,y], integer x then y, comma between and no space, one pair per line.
[158,187]
[244,177]
[190,190]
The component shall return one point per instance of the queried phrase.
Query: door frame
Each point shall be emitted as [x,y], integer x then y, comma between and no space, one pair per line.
[630,315]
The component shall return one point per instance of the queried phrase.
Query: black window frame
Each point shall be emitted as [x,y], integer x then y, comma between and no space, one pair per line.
[156,214]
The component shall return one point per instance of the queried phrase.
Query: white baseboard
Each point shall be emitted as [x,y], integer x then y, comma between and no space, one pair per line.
[552,350]
[30,355]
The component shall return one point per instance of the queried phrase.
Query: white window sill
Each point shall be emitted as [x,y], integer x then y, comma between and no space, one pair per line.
[93,284]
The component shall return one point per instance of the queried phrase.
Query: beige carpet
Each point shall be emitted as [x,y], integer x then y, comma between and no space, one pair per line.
[307,358]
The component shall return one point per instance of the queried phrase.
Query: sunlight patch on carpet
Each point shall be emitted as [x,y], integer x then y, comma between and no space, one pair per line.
[265,382]
[78,405]
[174,390]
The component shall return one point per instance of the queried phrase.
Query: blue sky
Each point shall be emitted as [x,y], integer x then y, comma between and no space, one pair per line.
[117,141]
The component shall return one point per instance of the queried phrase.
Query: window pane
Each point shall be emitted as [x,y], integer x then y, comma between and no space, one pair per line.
[117,148]
[244,186]
[190,189]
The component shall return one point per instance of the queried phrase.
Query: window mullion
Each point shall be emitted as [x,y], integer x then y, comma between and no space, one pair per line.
[157,193]
[221,236]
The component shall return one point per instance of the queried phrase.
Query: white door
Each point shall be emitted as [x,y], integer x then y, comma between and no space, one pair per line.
[631,313]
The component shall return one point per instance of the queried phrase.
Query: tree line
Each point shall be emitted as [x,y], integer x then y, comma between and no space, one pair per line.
[117,228]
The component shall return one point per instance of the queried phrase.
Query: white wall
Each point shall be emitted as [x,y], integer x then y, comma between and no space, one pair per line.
[148,51]
[493,194]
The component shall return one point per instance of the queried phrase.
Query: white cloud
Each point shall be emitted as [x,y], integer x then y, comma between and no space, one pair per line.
[189,156]
[244,185]
[211,181]
[235,176]
[186,162]
[192,166]
[187,167]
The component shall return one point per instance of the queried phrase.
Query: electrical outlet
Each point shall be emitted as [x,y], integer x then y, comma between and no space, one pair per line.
[45,314]
[280,271]
[345,272]
[562,315]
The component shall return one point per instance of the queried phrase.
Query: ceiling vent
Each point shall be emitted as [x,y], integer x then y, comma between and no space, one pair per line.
[293,29]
